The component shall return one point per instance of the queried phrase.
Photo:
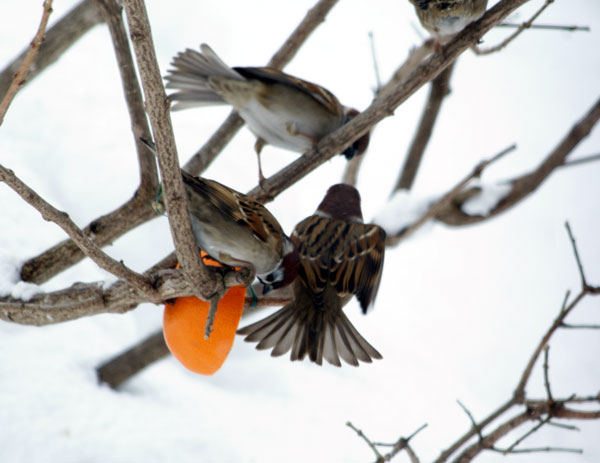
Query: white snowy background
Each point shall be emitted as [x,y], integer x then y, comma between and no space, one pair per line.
[459,310]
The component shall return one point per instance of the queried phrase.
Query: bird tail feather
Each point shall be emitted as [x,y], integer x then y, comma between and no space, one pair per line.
[313,332]
[190,76]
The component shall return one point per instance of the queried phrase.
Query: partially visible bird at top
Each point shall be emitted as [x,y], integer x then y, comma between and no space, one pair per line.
[280,109]
[340,257]
[446,18]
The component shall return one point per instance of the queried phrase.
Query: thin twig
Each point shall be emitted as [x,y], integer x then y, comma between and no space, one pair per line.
[375,62]
[581,160]
[556,27]
[580,327]
[514,35]
[404,444]
[546,378]
[547,449]
[19,78]
[367,440]
[473,422]
[584,283]
[89,248]
[568,427]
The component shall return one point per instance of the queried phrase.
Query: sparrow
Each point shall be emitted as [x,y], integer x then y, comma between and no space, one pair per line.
[446,18]
[236,230]
[281,110]
[340,257]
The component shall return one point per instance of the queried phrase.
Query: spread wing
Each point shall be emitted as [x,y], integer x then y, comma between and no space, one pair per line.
[270,76]
[345,255]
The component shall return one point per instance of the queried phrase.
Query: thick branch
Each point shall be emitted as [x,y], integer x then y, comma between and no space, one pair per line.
[157,106]
[440,88]
[58,39]
[104,230]
[133,95]
[116,371]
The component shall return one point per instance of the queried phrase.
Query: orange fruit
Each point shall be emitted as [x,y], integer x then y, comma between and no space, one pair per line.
[183,328]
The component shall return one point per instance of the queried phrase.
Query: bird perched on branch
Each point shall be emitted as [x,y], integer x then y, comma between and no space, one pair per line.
[340,256]
[280,109]
[446,18]
[237,231]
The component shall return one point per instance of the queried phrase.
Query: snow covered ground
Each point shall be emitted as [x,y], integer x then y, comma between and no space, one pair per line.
[459,310]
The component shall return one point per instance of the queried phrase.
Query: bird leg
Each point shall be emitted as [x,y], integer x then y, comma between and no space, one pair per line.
[258,146]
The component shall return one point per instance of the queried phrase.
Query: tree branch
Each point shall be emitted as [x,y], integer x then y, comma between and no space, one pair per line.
[528,183]
[384,104]
[514,35]
[202,279]
[440,88]
[88,247]
[64,33]
[441,204]
[19,78]
[133,95]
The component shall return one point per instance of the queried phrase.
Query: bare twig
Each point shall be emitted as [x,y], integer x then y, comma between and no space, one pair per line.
[64,33]
[513,449]
[19,78]
[580,327]
[546,378]
[514,35]
[367,440]
[90,249]
[375,62]
[399,445]
[473,422]
[547,449]
[554,27]
[582,160]
[584,283]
